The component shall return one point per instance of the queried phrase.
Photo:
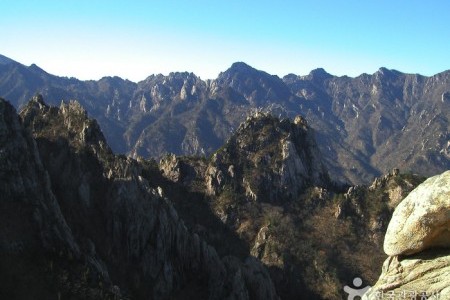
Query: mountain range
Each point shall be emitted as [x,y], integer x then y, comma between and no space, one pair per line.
[364,126]
[259,219]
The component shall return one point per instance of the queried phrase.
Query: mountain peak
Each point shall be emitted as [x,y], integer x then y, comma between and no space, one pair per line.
[240,65]
[386,72]
[36,69]
[257,87]
[70,120]
[240,68]
[319,74]
[237,68]
[282,154]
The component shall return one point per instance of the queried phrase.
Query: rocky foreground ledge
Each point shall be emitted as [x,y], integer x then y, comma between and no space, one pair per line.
[418,244]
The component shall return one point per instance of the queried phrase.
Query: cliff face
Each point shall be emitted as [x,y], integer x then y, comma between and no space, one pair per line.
[37,245]
[96,227]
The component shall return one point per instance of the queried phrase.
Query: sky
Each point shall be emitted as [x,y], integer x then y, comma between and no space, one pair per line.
[134,39]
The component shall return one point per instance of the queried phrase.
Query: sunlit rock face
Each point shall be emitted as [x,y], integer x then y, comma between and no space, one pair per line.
[418,244]
[422,220]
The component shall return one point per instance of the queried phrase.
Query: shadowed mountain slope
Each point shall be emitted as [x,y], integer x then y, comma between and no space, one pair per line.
[79,222]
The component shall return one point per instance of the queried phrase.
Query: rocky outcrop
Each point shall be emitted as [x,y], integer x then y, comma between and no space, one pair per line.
[417,241]
[183,170]
[269,159]
[117,236]
[422,220]
[170,167]
[263,248]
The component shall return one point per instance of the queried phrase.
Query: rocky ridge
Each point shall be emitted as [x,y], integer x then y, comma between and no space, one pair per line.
[97,227]
[365,125]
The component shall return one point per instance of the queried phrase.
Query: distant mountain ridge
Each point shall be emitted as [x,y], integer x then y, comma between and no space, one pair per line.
[364,126]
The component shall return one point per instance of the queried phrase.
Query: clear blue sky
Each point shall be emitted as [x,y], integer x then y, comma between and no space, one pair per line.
[133,39]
